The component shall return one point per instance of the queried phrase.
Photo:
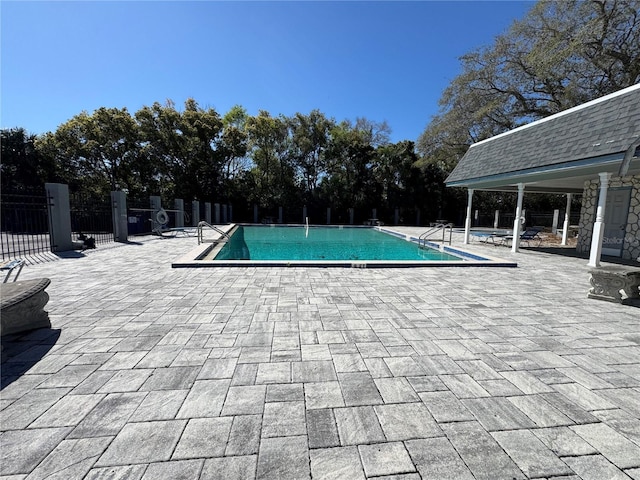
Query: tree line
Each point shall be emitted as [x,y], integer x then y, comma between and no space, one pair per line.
[197,153]
[559,55]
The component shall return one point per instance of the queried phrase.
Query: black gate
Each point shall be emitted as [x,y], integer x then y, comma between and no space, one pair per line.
[24,224]
[92,217]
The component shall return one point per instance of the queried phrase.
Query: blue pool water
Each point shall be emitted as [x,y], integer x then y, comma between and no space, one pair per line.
[323,243]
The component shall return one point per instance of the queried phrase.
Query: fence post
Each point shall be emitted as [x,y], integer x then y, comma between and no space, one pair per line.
[255,213]
[304,214]
[230,214]
[195,212]
[328,215]
[178,204]
[216,213]
[59,217]
[396,216]
[351,214]
[207,212]
[226,212]
[120,220]
[280,217]
[556,217]
[496,219]
[155,203]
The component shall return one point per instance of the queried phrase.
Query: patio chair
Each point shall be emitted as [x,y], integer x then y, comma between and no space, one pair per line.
[9,267]
[529,235]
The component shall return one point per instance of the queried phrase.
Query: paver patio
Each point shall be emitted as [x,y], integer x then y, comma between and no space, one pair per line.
[273,373]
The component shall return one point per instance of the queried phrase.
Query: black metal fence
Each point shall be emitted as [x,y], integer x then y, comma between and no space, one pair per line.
[92,217]
[24,224]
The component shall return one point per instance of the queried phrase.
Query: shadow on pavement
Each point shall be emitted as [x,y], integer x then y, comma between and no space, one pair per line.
[22,351]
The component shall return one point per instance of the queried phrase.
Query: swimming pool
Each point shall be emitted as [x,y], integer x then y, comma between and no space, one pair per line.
[333,246]
[323,243]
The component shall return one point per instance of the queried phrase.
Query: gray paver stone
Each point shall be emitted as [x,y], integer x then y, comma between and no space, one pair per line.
[436,458]
[203,437]
[530,454]
[143,443]
[385,459]
[22,450]
[340,463]
[284,458]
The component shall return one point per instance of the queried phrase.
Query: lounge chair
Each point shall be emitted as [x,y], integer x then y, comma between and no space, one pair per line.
[529,235]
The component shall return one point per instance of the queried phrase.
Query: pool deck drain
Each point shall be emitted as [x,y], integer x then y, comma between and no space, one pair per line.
[291,373]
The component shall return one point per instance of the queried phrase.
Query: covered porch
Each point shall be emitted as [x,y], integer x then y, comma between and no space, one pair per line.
[590,150]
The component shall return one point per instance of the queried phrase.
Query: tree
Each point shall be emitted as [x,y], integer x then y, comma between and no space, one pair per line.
[349,181]
[309,139]
[163,146]
[101,149]
[560,55]
[23,168]
[273,172]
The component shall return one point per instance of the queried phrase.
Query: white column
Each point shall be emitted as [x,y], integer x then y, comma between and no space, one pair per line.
[467,221]
[598,226]
[496,219]
[515,246]
[565,225]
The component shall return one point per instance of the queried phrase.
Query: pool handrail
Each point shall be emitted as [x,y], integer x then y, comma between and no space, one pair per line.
[202,225]
[422,239]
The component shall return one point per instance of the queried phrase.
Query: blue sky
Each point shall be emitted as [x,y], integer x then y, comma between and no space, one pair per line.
[380,60]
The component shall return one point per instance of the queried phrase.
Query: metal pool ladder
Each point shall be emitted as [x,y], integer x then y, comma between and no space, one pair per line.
[202,225]
[439,227]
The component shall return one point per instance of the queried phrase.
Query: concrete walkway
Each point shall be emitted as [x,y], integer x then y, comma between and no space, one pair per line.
[219,373]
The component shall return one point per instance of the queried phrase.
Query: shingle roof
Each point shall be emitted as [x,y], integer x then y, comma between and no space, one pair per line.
[607,125]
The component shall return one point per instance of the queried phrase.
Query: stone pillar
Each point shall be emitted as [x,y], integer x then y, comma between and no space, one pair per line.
[225,212]
[554,225]
[195,213]
[59,217]
[216,209]
[156,205]
[328,215]
[598,226]
[207,212]
[178,205]
[280,216]
[230,213]
[374,213]
[119,212]
[351,213]
[467,221]
[496,219]
[565,225]
[515,246]
[255,213]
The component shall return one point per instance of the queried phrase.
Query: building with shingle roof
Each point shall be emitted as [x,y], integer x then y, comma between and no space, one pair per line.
[592,149]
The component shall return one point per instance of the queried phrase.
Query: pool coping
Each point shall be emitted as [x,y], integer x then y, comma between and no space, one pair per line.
[195,257]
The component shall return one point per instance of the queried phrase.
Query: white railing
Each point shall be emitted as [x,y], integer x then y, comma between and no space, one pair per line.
[439,227]
[202,225]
